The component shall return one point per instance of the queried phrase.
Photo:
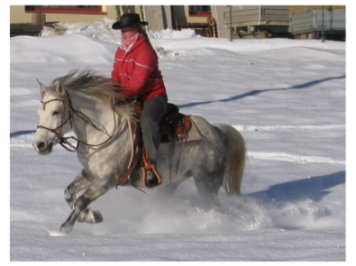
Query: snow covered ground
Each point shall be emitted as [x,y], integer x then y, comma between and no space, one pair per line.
[286,97]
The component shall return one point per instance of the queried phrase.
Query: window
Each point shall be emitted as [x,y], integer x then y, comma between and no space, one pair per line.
[199,11]
[66,9]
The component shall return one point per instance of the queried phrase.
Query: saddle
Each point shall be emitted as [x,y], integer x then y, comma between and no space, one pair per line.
[174,126]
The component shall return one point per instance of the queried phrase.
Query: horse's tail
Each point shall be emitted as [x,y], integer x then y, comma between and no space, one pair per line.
[235,158]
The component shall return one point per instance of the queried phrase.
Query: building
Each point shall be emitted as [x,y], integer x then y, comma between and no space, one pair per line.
[211,21]
[315,22]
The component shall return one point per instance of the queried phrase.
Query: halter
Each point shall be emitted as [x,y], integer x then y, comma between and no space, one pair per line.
[63,141]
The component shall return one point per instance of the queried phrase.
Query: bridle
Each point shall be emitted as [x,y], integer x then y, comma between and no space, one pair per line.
[63,141]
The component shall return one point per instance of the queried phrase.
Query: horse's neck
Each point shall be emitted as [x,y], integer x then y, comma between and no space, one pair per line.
[114,139]
[103,117]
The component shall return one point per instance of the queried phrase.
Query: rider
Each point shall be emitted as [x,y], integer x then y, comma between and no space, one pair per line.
[136,68]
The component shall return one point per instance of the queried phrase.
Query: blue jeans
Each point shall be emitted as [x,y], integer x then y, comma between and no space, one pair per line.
[153,111]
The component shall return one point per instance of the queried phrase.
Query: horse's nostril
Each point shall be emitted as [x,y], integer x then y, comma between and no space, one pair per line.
[41,146]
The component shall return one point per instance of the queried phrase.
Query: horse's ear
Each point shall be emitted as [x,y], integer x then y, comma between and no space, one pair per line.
[42,88]
[60,87]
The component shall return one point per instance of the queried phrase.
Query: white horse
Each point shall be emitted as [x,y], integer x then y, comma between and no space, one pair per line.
[214,155]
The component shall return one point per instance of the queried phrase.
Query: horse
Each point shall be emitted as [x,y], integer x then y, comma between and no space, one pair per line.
[105,128]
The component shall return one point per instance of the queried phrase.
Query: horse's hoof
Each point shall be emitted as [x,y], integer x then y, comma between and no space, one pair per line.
[66,229]
[98,217]
[90,216]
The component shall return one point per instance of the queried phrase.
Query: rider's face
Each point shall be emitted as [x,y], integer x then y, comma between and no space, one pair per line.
[128,32]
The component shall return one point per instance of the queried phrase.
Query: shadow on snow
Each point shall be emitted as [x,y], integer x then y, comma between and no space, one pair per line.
[22,132]
[255,92]
[314,188]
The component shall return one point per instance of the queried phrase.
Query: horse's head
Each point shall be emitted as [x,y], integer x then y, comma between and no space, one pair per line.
[55,117]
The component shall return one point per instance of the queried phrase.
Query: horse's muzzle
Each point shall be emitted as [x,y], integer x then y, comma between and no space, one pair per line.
[43,147]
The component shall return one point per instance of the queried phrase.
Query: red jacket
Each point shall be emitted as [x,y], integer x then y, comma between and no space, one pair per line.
[138,72]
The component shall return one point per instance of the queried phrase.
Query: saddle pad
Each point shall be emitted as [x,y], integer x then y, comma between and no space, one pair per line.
[193,133]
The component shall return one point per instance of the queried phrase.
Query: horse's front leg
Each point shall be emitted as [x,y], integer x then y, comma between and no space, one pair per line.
[97,188]
[81,182]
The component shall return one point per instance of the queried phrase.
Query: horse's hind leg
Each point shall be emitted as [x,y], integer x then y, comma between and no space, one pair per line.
[81,182]
[97,188]
[208,186]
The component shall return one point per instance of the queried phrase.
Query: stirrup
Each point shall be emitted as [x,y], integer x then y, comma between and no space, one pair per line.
[156,175]
[148,166]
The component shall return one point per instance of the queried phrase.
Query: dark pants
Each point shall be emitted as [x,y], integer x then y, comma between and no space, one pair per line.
[153,111]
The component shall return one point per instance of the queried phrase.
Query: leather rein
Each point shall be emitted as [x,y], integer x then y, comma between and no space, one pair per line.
[63,141]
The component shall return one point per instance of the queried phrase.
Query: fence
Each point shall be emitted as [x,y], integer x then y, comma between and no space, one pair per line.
[232,22]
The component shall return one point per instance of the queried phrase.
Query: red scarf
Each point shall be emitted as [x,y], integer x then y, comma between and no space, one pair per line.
[126,44]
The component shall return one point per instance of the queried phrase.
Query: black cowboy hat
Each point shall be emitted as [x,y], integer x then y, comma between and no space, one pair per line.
[128,20]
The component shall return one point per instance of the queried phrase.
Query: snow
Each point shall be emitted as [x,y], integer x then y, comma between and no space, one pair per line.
[286,97]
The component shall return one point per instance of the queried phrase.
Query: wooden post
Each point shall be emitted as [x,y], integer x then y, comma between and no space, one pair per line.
[323,26]
[38,18]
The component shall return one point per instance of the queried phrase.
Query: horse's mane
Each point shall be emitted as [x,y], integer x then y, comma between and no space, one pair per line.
[94,85]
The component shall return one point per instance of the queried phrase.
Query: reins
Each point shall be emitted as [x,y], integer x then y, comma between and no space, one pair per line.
[63,141]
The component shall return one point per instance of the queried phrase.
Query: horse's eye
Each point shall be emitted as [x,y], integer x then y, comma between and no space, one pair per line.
[55,113]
